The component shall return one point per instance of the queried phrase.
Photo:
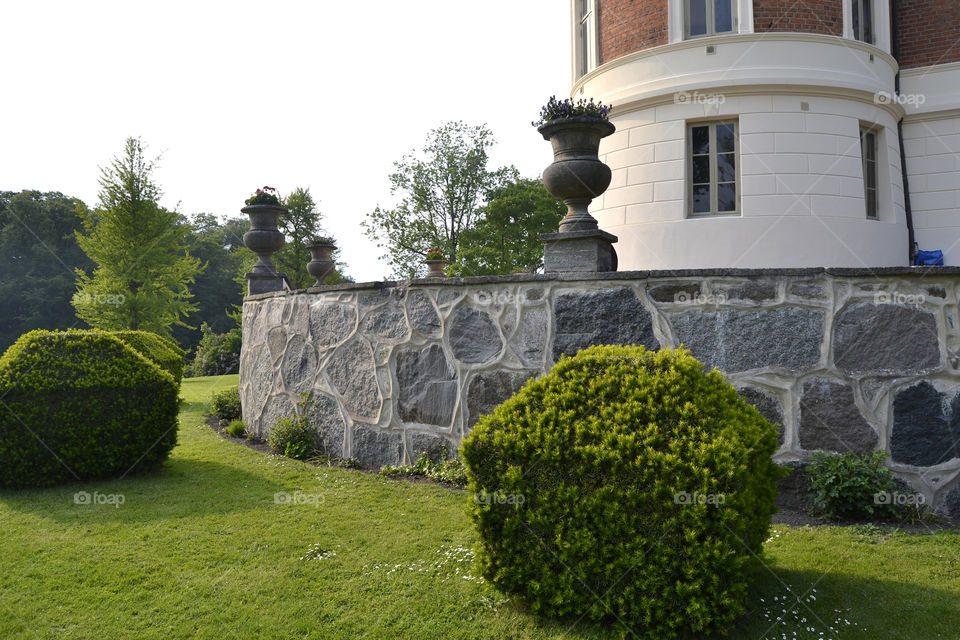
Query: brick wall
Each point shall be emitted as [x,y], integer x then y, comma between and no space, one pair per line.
[806,16]
[929,32]
[630,25]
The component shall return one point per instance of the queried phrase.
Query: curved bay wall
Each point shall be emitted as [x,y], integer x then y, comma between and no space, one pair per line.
[843,359]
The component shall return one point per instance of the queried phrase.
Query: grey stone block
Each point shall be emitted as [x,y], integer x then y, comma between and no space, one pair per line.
[388,322]
[326,418]
[331,323]
[423,315]
[681,292]
[427,385]
[474,337]
[487,390]
[926,426]
[353,373]
[885,339]
[376,448]
[831,421]
[607,316]
[768,407]
[299,366]
[741,340]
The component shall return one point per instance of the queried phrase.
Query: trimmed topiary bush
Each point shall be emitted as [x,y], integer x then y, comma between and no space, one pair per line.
[625,485]
[81,405]
[157,349]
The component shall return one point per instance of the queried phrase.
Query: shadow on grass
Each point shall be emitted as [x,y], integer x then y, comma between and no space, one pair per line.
[183,487]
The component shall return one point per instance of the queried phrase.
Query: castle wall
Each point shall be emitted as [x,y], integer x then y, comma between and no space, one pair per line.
[843,359]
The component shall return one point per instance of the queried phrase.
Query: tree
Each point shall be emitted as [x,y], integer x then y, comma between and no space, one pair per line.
[143,271]
[506,238]
[442,189]
[38,254]
[299,225]
[219,245]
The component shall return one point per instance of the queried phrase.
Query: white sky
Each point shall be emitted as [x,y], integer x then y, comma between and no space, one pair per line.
[237,95]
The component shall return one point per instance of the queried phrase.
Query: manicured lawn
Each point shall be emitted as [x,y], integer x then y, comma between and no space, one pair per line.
[203,550]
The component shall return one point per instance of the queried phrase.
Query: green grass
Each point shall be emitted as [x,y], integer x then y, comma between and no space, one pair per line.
[202,550]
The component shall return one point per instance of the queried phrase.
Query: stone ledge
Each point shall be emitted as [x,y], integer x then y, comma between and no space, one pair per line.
[623,275]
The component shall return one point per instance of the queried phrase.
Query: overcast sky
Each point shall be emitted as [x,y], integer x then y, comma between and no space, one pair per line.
[236,95]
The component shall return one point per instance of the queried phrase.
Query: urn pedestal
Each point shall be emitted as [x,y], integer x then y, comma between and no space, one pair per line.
[576,177]
[264,239]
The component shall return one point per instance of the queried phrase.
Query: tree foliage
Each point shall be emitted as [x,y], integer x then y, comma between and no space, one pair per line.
[506,237]
[143,272]
[442,188]
[38,255]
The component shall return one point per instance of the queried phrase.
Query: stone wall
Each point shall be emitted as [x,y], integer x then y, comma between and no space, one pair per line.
[843,359]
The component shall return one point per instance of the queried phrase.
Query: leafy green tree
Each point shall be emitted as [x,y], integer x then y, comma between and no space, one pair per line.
[506,238]
[38,255]
[303,222]
[219,245]
[442,190]
[143,272]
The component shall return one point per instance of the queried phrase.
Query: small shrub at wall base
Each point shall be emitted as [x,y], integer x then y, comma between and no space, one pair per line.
[451,471]
[844,487]
[237,428]
[82,405]
[226,404]
[294,437]
[626,486]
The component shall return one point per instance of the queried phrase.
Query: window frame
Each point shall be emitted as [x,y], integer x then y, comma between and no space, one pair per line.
[713,153]
[871,134]
[585,53]
[710,19]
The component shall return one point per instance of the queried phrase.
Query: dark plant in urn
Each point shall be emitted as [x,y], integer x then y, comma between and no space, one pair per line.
[321,259]
[577,175]
[264,239]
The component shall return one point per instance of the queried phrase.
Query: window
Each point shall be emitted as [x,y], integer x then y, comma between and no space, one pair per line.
[713,168]
[863,20]
[868,152]
[585,37]
[708,17]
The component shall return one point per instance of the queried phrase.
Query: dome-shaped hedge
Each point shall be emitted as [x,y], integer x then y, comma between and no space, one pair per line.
[624,485]
[81,405]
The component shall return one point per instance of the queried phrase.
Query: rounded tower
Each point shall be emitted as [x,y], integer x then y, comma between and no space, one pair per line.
[766,133]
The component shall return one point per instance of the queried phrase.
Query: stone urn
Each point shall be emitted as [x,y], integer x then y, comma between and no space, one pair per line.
[321,259]
[264,239]
[435,268]
[577,175]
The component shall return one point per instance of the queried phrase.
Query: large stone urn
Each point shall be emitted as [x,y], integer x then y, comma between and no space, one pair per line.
[264,239]
[321,262]
[576,177]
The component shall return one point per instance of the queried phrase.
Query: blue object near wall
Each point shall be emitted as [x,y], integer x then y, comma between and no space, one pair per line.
[929,258]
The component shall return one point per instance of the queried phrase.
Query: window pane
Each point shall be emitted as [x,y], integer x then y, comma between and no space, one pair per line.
[723,15]
[582,44]
[725,140]
[867,20]
[726,197]
[871,178]
[726,167]
[701,170]
[856,20]
[871,204]
[583,6]
[698,17]
[701,199]
[701,140]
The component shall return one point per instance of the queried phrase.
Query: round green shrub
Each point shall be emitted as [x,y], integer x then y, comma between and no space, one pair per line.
[624,485]
[81,405]
[157,349]
[226,404]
